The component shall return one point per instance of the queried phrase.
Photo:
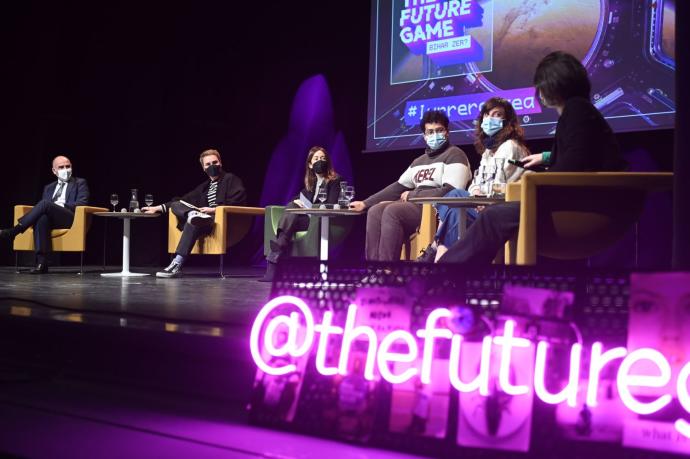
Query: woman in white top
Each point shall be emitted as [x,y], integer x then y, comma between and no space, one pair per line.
[498,137]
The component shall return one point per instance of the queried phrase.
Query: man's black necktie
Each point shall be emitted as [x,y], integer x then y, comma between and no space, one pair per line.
[58,193]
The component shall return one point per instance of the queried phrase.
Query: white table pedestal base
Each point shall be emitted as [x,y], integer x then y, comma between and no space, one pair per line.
[126,234]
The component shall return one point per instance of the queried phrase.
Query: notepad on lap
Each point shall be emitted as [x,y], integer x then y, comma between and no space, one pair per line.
[305,201]
[191,206]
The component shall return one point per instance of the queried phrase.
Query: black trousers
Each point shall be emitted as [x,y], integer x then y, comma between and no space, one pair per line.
[44,217]
[288,225]
[190,233]
[494,226]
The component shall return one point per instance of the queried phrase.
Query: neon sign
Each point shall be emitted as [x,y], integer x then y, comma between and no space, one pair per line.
[300,325]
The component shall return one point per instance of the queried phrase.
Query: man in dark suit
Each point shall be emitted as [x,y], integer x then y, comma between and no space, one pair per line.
[195,210]
[54,210]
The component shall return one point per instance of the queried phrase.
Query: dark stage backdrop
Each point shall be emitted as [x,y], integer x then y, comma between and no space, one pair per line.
[133,94]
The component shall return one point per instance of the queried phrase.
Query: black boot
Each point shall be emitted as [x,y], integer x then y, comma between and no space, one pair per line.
[40,268]
[280,243]
[270,272]
[41,265]
[10,233]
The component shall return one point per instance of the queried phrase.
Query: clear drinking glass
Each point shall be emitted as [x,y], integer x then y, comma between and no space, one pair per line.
[114,199]
[322,197]
[498,188]
[148,199]
[349,194]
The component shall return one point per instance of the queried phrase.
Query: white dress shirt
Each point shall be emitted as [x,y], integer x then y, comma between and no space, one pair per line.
[63,194]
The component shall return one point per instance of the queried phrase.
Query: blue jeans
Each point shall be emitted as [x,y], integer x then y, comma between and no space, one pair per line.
[447,233]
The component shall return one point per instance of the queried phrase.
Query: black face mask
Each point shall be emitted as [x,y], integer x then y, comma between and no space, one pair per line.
[213,170]
[320,167]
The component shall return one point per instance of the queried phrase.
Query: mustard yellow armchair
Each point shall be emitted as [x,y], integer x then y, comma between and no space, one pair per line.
[423,236]
[574,215]
[232,223]
[71,239]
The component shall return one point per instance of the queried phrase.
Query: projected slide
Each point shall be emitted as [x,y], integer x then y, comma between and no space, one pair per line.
[452,55]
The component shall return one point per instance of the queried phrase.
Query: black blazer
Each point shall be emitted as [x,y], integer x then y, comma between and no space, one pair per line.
[230,192]
[332,192]
[584,141]
[77,193]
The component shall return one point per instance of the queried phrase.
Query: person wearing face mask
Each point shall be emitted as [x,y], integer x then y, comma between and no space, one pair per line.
[498,138]
[584,142]
[55,210]
[391,218]
[221,188]
[319,174]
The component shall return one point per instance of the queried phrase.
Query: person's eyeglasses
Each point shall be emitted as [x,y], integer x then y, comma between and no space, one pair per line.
[435,131]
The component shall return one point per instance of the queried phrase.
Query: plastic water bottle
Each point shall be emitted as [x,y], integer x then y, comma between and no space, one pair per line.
[342,197]
[134,201]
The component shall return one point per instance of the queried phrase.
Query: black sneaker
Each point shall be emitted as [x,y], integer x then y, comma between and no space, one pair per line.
[173,270]
[428,255]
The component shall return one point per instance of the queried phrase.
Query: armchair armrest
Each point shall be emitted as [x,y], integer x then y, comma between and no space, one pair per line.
[647,181]
[242,210]
[513,190]
[234,222]
[271,220]
[641,182]
[20,210]
[82,216]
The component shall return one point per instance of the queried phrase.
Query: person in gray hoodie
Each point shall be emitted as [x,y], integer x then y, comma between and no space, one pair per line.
[391,218]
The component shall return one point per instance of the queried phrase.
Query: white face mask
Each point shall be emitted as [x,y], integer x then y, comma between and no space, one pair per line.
[64,174]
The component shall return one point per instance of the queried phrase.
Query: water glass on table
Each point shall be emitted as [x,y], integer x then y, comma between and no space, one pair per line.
[322,197]
[349,195]
[498,190]
[148,199]
[114,200]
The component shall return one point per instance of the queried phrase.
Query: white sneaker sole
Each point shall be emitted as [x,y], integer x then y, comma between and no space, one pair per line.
[200,221]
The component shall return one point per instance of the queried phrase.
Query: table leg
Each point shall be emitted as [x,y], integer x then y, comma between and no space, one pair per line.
[323,248]
[463,222]
[126,234]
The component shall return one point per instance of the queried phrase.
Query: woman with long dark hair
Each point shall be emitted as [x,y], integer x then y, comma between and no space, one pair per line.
[584,142]
[498,138]
[319,175]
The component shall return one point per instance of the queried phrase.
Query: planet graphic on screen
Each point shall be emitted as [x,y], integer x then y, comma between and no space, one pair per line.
[527,30]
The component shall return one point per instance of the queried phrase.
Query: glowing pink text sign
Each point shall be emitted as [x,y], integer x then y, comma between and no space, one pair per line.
[300,324]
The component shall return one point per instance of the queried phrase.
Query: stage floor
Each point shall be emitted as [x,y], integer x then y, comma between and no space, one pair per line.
[68,419]
[200,300]
[136,367]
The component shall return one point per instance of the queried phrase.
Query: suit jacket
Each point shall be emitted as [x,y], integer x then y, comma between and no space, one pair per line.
[77,193]
[584,141]
[332,192]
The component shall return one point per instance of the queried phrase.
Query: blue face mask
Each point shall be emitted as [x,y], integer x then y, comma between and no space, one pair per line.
[491,125]
[435,140]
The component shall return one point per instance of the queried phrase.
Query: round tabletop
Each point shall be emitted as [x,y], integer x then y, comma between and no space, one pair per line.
[324,212]
[470,201]
[126,214]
